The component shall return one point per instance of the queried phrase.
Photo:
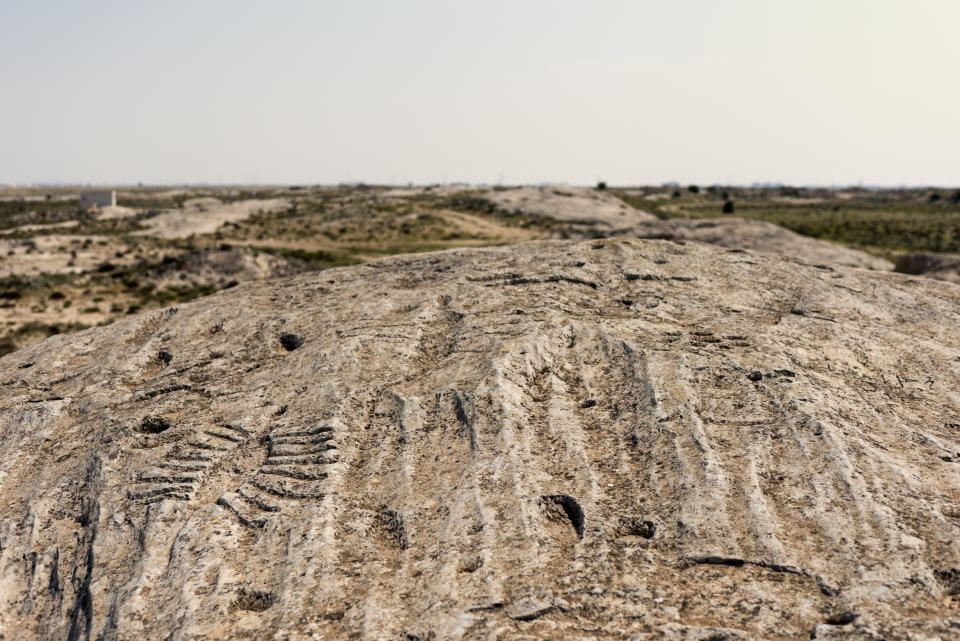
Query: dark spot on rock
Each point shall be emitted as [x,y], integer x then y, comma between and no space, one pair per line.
[842,618]
[587,404]
[26,365]
[394,526]
[632,526]
[784,372]
[166,357]
[626,301]
[290,341]
[254,600]
[755,376]
[825,589]
[718,560]
[154,425]
[950,578]
[471,564]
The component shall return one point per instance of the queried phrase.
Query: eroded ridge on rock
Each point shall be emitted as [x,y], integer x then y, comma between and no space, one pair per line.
[551,440]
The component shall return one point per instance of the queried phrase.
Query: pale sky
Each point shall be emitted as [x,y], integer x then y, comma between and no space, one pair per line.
[638,92]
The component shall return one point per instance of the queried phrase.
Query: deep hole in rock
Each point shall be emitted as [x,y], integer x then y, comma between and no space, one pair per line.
[571,508]
[842,618]
[154,425]
[290,341]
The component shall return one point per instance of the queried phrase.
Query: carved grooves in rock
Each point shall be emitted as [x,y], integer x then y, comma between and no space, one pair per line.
[297,463]
[610,404]
[737,423]
[178,474]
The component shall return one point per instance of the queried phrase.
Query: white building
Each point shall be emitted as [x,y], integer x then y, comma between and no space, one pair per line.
[91,199]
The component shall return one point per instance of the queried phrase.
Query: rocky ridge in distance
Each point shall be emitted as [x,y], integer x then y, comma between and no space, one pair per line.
[591,213]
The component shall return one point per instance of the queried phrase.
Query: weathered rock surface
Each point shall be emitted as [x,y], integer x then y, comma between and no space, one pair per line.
[757,235]
[939,266]
[551,440]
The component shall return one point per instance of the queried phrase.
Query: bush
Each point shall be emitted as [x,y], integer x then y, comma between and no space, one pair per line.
[601,185]
[728,207]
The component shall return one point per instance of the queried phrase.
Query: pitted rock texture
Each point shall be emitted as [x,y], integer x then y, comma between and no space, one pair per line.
[604,440]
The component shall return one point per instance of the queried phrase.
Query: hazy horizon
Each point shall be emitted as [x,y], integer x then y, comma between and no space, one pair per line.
[632,93]
[266,185]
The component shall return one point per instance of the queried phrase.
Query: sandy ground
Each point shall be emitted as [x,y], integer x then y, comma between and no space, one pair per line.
[52,254]
[205,216]
[67,224]
[115,213]
[486,227]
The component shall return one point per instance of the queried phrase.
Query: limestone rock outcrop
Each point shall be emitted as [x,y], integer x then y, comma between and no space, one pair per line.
[589,207]
[757,235]
[566,440]
[591,213]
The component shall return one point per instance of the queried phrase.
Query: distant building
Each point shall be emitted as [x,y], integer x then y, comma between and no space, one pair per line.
[91,199]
